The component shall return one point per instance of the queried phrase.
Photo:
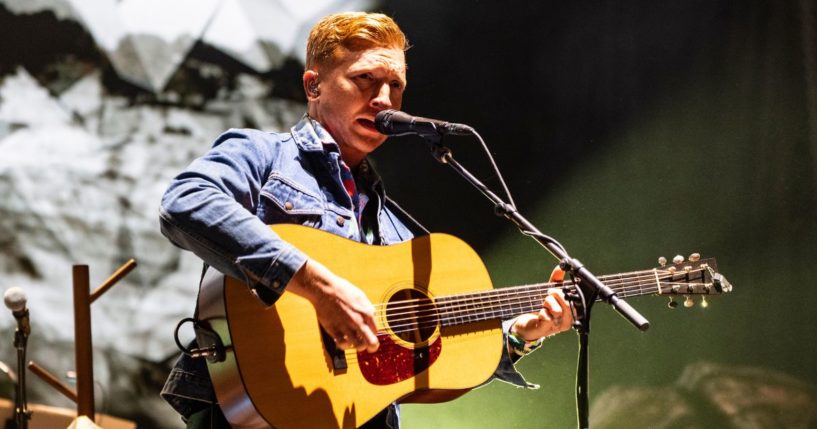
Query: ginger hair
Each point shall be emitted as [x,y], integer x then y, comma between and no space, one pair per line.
[353,31]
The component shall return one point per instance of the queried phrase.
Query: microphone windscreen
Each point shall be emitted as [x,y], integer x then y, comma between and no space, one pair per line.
[15,299]
[382,121]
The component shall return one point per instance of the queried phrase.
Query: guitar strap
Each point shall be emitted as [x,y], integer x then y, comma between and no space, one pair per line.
[416,227]
[204,267]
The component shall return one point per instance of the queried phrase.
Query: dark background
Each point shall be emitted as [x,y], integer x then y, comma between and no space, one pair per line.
[627,130]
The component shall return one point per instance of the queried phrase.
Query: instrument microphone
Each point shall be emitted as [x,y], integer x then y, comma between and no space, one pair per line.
[15,299]
[396,123]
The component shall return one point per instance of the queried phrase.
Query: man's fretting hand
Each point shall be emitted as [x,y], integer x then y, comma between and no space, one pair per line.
[554,317]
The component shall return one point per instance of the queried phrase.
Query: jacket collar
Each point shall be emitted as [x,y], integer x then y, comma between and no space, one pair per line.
[311,136]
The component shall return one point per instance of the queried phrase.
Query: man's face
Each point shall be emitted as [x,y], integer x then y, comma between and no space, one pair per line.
[361,84]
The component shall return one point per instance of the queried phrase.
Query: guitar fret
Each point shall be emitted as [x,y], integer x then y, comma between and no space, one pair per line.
[535,301]
[465,314]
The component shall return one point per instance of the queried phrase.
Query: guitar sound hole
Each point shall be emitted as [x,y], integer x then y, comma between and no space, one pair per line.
[412,315]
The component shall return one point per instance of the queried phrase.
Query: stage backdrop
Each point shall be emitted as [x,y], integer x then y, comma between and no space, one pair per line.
[627,131]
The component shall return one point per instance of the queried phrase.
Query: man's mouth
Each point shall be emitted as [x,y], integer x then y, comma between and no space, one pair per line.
[367,123]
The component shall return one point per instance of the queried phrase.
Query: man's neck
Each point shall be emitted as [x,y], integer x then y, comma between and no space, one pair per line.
[353,162]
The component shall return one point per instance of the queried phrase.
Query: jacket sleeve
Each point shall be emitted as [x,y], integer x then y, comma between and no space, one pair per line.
[210,209]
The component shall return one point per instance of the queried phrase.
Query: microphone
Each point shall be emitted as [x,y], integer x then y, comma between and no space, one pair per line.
[396,123]
[15,299]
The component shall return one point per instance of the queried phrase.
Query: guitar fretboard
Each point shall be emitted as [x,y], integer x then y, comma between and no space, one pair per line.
[509,302]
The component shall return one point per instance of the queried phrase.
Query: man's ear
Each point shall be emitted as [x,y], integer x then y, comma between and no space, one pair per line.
[311,85]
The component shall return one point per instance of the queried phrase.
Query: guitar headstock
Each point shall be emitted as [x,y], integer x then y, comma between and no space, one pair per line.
[693,276]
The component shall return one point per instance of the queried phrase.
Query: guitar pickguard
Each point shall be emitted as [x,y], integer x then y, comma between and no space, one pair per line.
[392,362]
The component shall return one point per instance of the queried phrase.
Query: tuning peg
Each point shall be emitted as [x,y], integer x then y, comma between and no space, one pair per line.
[695,257]
[704,302]
[688,302]
[677,259]
[662,261]
[672,304]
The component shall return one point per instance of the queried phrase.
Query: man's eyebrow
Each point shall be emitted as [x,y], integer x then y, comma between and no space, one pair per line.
[387,67]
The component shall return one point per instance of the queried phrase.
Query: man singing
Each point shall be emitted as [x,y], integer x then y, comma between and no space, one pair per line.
[316,175]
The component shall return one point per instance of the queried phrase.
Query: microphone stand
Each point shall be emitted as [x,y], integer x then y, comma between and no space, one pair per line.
[21,412]
[588,289]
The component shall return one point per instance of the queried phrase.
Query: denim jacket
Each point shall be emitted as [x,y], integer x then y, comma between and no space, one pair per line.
[220,208]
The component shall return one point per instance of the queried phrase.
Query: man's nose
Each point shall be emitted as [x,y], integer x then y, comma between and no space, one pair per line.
[382,97]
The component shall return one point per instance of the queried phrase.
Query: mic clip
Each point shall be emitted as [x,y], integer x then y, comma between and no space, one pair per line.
[23,322]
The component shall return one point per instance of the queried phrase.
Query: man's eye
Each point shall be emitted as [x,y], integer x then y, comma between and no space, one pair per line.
[366,76]
[397,85]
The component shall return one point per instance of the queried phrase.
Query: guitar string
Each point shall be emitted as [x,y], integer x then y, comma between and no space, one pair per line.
[463,309]
[610,280]
[499,302]
[409,303]
[492,297]
[470,298]
[516,300]
[352,355]
[506,305]
[520,300]
[432,320]
[633,287]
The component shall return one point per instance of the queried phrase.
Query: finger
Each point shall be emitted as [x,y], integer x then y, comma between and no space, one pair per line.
[358,344]
[530,321]
[557,275]
[560,297]
[567,310]
[554,310]
[368,318]
[555,292]
[553,306]
[343,342]
[555,323]
[368,340]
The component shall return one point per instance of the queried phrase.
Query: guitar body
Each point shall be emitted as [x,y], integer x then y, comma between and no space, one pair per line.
[282,371]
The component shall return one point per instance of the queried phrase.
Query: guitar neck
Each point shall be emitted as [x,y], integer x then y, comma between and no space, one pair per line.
[506,303]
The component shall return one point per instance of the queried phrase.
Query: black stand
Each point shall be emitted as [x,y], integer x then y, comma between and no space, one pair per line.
[21,412]
[588,289]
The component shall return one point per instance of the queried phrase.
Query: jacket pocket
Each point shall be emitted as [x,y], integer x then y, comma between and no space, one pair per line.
[290,202]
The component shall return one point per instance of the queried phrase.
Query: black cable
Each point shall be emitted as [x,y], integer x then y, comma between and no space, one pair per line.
[494,166]
[185,350]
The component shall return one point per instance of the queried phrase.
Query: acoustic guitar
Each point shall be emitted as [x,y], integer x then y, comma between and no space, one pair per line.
[438,319]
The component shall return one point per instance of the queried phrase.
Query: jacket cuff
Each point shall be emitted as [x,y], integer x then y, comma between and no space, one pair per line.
[269,279]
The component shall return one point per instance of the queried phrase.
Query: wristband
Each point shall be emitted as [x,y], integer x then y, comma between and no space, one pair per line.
[520,347]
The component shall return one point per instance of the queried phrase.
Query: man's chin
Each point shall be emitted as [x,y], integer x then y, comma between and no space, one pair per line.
[364,142]
[370,145]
